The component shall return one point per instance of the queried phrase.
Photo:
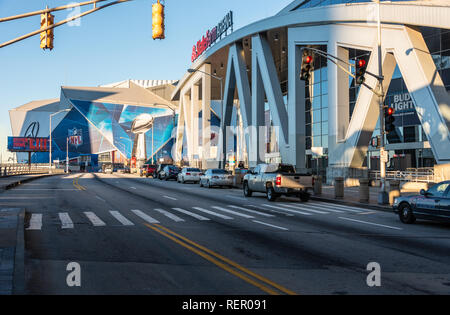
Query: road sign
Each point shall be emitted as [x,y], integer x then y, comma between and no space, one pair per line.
[384,156]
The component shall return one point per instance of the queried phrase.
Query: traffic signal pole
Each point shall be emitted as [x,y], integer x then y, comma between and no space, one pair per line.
[95,9]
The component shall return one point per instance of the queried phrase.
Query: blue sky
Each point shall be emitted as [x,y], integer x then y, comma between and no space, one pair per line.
[111,45]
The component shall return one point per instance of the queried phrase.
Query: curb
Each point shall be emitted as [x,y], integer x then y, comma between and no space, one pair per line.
[352,203]
[25,180]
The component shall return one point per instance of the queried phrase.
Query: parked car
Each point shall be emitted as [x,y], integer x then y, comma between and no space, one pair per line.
[107,169]
[276,180]
[433,204]
[159,169]
[190,175]
[169,172]
[216,177]
[147,170]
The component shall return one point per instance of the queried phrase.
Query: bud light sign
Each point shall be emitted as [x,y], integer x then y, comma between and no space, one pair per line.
[76,137]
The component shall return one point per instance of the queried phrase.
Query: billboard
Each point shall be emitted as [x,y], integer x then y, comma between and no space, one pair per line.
[28,144]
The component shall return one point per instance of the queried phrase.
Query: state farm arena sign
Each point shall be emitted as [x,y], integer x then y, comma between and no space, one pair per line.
[212,36]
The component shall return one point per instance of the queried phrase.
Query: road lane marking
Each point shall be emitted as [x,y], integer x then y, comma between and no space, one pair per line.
[274,226]
[305,209]
[144,216]
[213,213]
[100,198]
[66,221]
[220,261]
[171,198]
[370,223]
[288,210]
[170,215]
[252,211]
[133,188]
[119,217]
[367,213]
[198,217]
[95,220]
[35,222]
[234,212]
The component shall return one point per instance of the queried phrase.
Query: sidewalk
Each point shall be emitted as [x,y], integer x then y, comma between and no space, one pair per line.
[12,242]
[351,197]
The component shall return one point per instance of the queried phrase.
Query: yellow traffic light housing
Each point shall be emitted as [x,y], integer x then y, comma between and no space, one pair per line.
[158,21]
[47,19]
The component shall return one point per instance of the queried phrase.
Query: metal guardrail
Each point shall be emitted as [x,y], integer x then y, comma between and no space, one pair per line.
[410,175]
[22,169]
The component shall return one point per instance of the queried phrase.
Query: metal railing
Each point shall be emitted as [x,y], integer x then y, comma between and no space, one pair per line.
[22,169]
[422,175]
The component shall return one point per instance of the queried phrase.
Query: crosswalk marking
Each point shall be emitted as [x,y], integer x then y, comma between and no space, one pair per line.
[272,210]
[119,217]
[213,213]
[96,221]
[66,221]
[342,207]
[313,206]
[35,222]
[306,209]
[198,217]
[145,217]
[288,210]
[170,215]
[253,211]
[234,212]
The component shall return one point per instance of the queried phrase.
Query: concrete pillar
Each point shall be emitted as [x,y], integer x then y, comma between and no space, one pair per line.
[195,108]
[257,148]
[206,115]
[364,195]
[317,185]
[339,188]
[394,190]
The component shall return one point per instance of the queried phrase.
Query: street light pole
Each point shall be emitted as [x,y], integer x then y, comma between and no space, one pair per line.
[383,197]
[221,102]
[67,155]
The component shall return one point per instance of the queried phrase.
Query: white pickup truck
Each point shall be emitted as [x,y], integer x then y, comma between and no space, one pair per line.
[276,180]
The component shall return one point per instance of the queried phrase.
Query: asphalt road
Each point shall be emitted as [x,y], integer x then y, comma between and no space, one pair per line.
[142,236]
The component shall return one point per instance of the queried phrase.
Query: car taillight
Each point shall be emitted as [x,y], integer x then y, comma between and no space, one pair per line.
[278,181]
[188,174]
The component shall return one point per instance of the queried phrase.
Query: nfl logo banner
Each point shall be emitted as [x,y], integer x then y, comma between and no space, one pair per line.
[76,137]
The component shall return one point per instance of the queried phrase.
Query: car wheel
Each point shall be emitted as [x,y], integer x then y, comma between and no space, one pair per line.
[247,191]
[201,184]
[304,196]
[208,184]
[271,195]
[406,214]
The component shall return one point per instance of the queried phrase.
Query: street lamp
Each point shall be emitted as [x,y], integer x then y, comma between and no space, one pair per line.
[221,100]
[50,162]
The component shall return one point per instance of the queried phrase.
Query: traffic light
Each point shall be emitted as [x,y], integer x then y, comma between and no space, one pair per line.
[389,120]
[47,19]
[307,63]
[158,21]
[361,68]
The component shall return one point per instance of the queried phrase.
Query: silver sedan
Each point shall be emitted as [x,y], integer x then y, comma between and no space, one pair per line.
[216,177]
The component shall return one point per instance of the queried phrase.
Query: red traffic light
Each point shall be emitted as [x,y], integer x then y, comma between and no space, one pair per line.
[361,63]
[309,59]
[390,111]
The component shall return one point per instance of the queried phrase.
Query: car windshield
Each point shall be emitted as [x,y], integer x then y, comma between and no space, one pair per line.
[220,172]
[192,170]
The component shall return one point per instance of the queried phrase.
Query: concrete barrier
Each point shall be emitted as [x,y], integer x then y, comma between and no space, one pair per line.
[364,195]
[339,188]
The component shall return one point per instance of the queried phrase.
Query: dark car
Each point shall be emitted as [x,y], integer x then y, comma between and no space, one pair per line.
[433,204]
[169,172]
[159,169]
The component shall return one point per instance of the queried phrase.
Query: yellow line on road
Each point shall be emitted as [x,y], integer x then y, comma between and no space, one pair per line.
[77,185]
[245,272]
